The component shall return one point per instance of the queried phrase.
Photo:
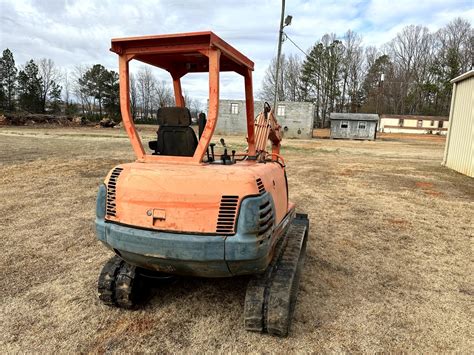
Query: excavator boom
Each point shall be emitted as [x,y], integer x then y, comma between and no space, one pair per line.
[267,128]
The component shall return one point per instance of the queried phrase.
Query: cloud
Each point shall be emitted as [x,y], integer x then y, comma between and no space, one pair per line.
[78,32]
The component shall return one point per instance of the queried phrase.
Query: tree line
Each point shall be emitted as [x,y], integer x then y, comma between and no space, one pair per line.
[39,86]
[408,75]
[33,88]
[147,94]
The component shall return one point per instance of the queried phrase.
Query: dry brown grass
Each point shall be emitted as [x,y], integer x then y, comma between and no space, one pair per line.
[326,133]
[389,263]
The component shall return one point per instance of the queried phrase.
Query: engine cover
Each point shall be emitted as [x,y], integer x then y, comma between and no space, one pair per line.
[197,199]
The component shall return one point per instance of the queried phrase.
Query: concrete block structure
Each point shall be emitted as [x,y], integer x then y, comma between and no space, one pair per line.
[414,124]
[459,150]
[354,125]
[295,118]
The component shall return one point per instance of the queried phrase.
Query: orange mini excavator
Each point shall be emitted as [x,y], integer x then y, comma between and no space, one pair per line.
[185,208]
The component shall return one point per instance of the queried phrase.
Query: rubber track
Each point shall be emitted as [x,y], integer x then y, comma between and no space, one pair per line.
[119,284]
[270,299]
[283,289]
[127,287]
[257,292]
[107,277]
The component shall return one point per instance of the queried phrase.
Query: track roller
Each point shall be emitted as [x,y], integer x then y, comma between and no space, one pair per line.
[271,297]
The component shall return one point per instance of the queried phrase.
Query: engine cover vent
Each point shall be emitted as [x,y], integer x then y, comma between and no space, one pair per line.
[227,214]
[266,219]
[261,187]
[111,192]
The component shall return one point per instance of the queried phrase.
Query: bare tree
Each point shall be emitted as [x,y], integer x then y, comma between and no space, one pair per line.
[133,96]
[351,71]
[289,84]
[194,105]
[292,78]
[50,76]
[164,94]
[371,53]
[411,52]
[66,86]
[146,84]
[267,92]
[454,45]
[87,102]
[409,75]
[456,39]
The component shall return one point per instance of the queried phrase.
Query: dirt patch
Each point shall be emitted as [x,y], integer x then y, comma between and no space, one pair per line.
[390,237]
[428,188]
[398,222]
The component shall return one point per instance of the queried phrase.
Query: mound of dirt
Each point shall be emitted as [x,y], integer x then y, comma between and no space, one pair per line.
[30,119]
[107,123]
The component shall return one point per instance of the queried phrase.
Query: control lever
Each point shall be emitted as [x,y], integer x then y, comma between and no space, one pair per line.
[224,156]
[223,143]
[212,150]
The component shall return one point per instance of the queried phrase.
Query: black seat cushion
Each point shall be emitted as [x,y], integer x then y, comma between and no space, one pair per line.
[176,141]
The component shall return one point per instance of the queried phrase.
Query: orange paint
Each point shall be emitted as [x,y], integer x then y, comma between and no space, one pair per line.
[183,194]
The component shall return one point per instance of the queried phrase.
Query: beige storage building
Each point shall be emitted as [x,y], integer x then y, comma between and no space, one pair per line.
[459,150]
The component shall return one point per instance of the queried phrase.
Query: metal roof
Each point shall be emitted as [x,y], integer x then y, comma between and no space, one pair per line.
[416,117]
[182,51]
[354,116]
[464,76]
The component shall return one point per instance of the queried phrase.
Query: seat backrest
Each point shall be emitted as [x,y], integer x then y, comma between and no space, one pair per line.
[175,137]
[201,123]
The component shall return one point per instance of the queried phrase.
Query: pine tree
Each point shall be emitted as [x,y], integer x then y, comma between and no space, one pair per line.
[55,98]
[8,77]
[374,95]
[111,95]
[320,77]
[93,84]
[29,88]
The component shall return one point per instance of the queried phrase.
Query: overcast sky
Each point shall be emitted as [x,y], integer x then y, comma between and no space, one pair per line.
[73,32]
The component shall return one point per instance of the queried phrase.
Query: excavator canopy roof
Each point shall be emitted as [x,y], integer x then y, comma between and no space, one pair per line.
[182,53]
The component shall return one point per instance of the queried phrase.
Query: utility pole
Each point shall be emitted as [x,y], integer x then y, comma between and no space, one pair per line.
[283,23]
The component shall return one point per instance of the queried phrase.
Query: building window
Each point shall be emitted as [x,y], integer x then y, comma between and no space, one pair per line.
[234,109]
[362,125]
[281,110]
[400,122]
[419,123]
[344,124]
[432,123]
[440,124]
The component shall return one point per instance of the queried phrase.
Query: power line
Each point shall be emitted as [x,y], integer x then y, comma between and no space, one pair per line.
[287,37]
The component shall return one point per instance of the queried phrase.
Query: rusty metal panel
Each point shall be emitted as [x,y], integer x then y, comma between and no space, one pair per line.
[459,151]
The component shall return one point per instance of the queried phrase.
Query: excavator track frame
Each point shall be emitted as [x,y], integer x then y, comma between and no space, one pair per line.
[271,297]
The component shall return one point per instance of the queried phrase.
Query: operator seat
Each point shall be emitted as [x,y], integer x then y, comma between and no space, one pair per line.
[175,136]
